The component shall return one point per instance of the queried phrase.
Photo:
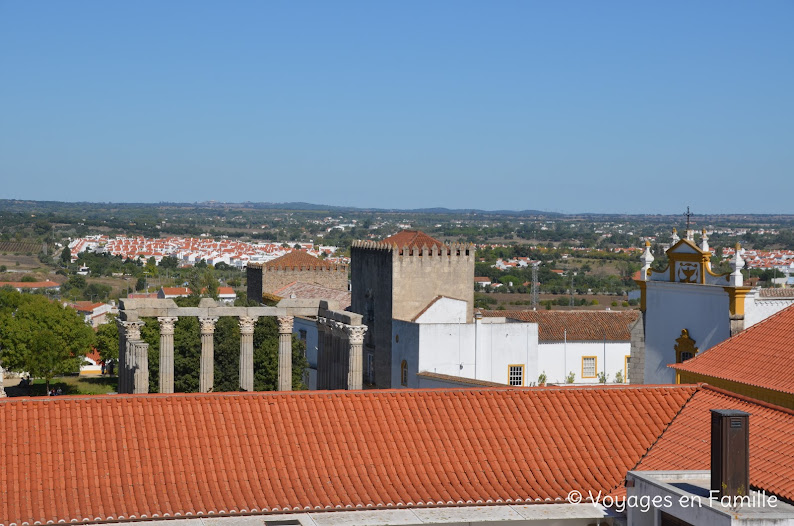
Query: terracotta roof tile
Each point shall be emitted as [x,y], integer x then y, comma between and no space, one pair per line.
[581,325]
[124,456]
[759,356]
[312,291]
[686,444]
[298,259]
[776,293]
[413,239]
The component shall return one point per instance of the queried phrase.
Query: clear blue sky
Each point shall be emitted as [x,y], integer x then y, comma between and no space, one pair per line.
[562,106]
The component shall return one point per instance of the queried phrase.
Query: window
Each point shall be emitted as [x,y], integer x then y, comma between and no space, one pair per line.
[404,373]
[589,365]
[515,375]
[302,335]
[626,369]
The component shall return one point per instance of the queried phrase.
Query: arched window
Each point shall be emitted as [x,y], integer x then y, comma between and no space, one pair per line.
[404,373]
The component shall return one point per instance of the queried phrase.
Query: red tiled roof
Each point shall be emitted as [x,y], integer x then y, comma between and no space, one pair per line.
[776,293]
[686,444]
[759,356]
[226,290]
[150,456]
[575,325]
[312,291]
[413,239]
[176,291]
[297,259]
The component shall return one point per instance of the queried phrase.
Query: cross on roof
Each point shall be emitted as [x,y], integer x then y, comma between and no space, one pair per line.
[688,217]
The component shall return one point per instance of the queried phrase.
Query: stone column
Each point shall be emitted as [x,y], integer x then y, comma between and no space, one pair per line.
[355,373]
[167,354]
[2,389]
[127,355]
[285,353]
[140,375]
[247,324]
[207,374]
[122,363]
[322,350]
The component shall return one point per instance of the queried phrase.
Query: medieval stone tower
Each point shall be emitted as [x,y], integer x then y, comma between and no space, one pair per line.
[294,266]
[396,279]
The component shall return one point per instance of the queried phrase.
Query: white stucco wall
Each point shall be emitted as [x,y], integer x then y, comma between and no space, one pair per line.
[481,350]
[758,309]
[557,359]
[671,307]
[445,310]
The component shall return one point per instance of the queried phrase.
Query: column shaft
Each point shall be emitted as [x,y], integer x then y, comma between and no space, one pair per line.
[140,375]
[285,353]
[166,384]
[207,373]
[247,324]
[127,356]
[355,374]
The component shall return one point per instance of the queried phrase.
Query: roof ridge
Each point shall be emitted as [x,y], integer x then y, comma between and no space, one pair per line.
[749,399]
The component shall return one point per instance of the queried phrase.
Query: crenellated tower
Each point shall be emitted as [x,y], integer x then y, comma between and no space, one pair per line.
[397,278]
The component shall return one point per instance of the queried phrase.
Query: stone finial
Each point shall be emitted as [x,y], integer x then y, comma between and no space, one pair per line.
[247,324]
[675,238]
[646,258]
[355,333]
[208,325]
[285,324]
[167,324]
[704,241]
[737,264]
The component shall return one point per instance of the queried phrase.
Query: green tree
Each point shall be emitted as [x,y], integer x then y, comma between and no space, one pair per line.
[266,357]
[107,341]
[42,337]
[66,255]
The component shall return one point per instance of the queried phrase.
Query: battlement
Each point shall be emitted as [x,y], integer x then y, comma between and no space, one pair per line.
[454,249]
[336,267]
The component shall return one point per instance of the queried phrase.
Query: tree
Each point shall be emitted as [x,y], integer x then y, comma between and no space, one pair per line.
[107,341]
[66,255]
[42,337]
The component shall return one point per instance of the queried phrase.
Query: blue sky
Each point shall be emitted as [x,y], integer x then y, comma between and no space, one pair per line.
[561,106]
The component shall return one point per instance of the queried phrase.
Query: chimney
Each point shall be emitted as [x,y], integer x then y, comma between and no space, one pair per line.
[730,452]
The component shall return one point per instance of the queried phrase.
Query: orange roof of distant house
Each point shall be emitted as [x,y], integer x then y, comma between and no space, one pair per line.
[298,259]
[226,290]
[150,456]
[760,356]
[85,306]
[482,280]
[176,291]
[685,445]
[413,239]
[574,325]
[776,293]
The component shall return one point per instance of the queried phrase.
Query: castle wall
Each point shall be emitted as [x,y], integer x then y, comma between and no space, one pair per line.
[276,278]
[420,277]
[371,296]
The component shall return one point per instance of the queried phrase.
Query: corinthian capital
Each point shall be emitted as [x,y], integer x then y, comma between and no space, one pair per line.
[167,324]
[132,329]
[355,334]
[247,324]
[208,325]
[285,324]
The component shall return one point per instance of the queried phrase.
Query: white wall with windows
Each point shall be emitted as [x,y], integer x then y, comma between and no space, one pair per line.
[488,350]
[559,359]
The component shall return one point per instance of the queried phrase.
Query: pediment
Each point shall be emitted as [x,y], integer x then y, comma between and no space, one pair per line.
[684,246]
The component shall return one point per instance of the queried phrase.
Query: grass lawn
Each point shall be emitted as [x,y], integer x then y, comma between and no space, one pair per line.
[70,385]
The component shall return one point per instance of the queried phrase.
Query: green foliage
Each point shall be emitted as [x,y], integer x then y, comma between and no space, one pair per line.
[28,279]
[266,357]
[542,378]
[603,377]
[40,336]
[619,377]
[187,355]
[570,378]
[66,255]
[140,284]
[107,341]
